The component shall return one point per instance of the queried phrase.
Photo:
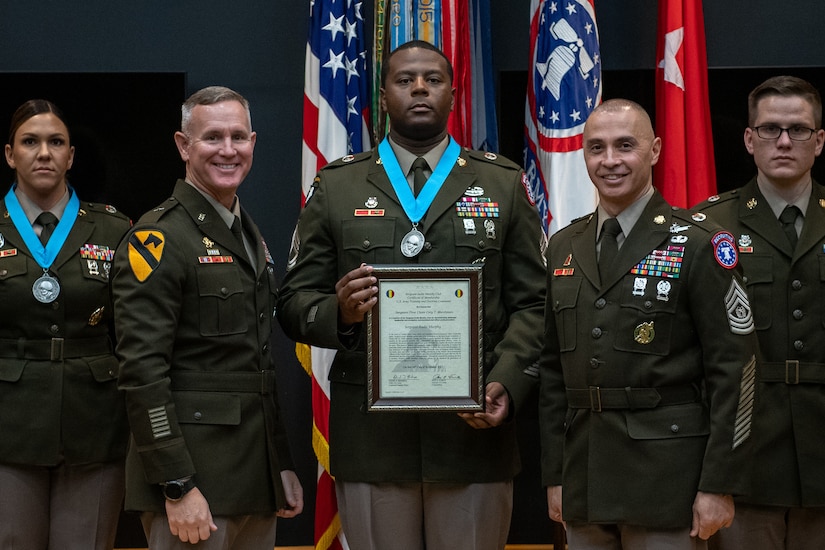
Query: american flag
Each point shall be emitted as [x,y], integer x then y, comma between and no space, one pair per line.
[563,86]
[336,115]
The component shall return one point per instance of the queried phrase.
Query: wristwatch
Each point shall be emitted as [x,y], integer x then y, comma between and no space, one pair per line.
[175,490]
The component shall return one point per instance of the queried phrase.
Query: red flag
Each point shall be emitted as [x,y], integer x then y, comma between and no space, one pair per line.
[686,172]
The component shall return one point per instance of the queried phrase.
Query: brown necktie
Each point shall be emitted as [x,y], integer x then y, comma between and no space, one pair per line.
[609,245]
[48,221]
[419,179]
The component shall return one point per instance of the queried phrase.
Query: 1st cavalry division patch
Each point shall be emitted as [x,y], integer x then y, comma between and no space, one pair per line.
[145,251]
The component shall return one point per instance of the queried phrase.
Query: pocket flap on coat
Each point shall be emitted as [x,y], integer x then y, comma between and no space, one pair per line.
[207,408]
[103,368]
[12,369]
[688,420]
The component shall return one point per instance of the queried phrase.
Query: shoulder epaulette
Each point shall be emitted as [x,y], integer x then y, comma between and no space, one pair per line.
[494,158]
[159,211]
[696,218]
[107,209]
[348,159]
[720,198]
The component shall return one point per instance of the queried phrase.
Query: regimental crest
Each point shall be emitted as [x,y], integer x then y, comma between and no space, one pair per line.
[145,252]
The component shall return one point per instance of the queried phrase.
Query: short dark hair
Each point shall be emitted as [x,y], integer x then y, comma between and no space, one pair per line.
[786,86]
[31,108]
[424,45]
[210,96]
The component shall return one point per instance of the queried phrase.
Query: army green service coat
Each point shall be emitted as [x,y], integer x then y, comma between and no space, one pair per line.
[640,404]
[787,290]
[195,360]
[332,238]
[58,372]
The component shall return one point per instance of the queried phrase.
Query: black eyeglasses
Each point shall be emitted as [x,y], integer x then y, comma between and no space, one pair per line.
[772,131]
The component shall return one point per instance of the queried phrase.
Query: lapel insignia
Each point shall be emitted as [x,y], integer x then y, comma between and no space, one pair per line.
[461,162]
[201,217]
[659,220]
[822,203]
[751,204]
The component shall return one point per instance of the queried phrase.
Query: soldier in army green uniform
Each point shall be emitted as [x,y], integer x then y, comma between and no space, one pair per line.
[783,264]
[445,480]
[648,367]
[62,419]
[209,462]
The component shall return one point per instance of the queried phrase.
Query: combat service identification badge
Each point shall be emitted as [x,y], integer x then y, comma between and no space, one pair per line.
[145,251]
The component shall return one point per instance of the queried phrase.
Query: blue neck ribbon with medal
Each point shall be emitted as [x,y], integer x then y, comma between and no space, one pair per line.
[416,207]
[46,289]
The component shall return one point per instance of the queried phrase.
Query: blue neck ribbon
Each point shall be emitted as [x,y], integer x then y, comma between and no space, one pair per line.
[43,255]
[416,207]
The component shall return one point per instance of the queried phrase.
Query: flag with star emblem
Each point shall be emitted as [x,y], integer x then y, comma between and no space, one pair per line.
[336,117]
[564,85]
[685,173]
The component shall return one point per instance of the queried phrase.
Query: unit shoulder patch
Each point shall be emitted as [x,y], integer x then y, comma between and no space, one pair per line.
[145,252]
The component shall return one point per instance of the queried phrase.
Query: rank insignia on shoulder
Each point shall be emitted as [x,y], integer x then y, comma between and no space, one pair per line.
[724,250]
[145,252]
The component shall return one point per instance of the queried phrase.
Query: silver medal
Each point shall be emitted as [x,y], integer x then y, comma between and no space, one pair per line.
[46,289]
[412,243]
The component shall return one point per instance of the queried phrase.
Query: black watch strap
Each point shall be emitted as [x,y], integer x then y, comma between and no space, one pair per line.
[177,489]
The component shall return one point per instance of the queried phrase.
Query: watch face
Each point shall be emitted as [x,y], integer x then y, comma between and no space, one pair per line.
[173,490]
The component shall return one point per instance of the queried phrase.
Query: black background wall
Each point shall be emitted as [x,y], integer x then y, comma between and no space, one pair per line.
[80,54]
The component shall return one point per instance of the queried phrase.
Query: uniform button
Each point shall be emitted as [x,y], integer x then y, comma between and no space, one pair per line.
[264,348]
[797,314]
[269,269]
[4,272]
[262,317]
[224,291]
[798,345]
[428,246]
[595,363]
[596,332]
[198,415]
[366,243]
[481,244]
[259,285]
[111,372]
[745,279]
[796,284]
[54,329]
[55,305]
[600,303]
[674,428]
[648,304]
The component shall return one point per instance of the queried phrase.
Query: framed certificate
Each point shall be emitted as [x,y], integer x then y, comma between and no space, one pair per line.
[425,339]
